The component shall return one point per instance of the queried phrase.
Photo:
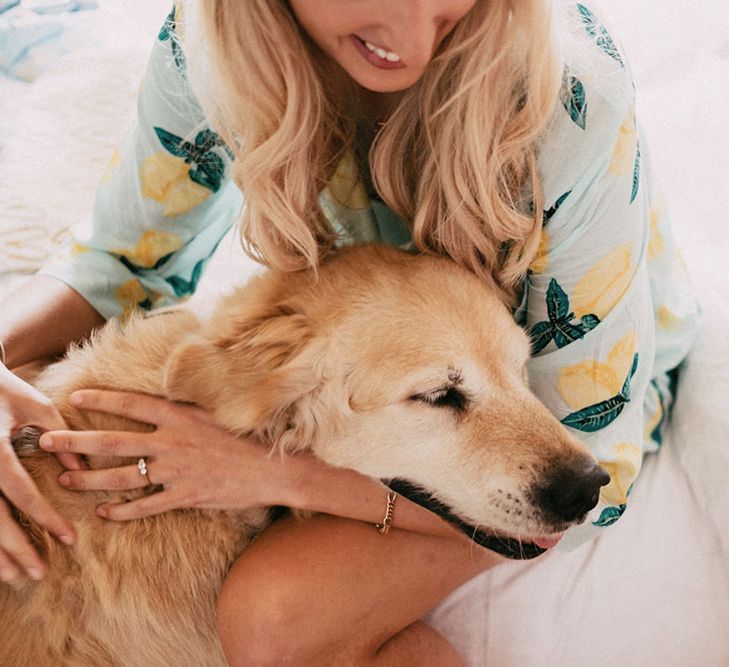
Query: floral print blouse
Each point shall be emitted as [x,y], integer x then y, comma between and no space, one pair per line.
[607,301]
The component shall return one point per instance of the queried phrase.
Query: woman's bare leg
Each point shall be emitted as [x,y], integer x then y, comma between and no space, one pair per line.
[333,591]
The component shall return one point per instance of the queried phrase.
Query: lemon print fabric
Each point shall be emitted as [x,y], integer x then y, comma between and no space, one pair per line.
[599,33]
[540,263]
[131,295]
[563,327]
[170,31]
[346,187]
[598,391]
[623,466]
[573,93]
[623,157]
[604,284]
[185,174]
[656,244]
[152,249]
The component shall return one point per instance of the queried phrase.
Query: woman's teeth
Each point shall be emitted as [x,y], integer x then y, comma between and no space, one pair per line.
[385,55]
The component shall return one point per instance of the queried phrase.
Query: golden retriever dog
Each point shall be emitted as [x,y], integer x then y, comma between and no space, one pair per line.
[405,368]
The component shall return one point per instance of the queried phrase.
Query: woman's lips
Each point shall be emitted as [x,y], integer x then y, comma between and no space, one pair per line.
[373,58]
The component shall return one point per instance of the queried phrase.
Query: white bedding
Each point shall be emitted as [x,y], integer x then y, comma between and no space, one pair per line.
[654,589]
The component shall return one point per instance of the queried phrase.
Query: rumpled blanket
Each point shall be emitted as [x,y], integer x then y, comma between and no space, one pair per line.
[34,33]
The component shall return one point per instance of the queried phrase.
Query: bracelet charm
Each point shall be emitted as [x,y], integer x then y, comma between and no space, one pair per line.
[384,527]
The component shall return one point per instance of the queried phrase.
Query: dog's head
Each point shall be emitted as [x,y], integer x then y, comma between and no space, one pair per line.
[404,368]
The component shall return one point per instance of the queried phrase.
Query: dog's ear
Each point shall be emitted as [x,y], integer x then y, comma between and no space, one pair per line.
[195,372]
[252,374]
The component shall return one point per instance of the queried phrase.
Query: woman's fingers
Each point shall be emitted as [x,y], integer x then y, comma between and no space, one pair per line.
[55,422]
[109,479]
[21,491]
[100,443]
[8,569]
[156,503]
[140,407]
[15,543]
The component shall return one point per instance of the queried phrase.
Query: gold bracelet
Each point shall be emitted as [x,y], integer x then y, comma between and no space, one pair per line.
[387,521]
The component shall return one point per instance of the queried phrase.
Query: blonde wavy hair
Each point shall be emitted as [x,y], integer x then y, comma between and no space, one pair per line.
[457,157]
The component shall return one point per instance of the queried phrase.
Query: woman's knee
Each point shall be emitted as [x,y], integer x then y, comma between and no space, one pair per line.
[262,618]
[252,618]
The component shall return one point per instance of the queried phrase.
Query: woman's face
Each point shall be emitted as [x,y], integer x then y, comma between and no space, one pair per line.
[384,45]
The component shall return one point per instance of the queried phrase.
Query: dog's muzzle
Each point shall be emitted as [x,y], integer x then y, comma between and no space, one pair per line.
[506,546]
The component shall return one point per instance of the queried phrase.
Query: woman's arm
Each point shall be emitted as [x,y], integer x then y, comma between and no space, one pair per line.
[201,465]
[41,318]
[608,306]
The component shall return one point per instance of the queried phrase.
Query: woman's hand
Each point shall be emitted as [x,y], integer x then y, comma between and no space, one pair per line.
[199,464]
[21,404]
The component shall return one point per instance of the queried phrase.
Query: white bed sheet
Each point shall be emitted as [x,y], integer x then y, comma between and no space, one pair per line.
[654,589]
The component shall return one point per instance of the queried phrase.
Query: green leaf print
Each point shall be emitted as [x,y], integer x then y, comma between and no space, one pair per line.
[558,305]
[636,175]
[541,334]
[169,31]
[598,32]
[143,270]
[596,417]
[625,391]
[609,516]
[599,415]
[184,287]
[548,214]
[574,100]
[209,168]
[562,326]
[657,432]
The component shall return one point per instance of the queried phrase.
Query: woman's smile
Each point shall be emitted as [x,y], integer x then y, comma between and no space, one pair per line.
[381,58]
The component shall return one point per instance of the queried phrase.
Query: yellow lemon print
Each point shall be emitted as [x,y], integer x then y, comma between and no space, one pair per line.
[165,179]
[623,470]
[621,355]
[129,295]
[667,320]
[151,247]
[623,158]
[346,187]
[656,245]
[654,421]
[541,259]
[179,22]
[603,285]
[78,249]
[112,166]
[592,381]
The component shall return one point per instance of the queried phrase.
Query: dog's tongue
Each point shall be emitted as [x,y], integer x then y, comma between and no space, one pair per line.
[547,542]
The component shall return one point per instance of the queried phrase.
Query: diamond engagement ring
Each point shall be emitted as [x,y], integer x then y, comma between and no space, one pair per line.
[142,465]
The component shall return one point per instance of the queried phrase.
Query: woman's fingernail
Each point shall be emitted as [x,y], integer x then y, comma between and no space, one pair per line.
[76,399]
[67,539]
[101,511]
[64,479]
[46,441]
[35,574]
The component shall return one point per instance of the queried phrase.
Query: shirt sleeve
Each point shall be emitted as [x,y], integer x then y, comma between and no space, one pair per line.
[589,304]
[163,204]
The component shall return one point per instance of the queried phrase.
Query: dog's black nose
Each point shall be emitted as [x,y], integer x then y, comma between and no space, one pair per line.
[572,492]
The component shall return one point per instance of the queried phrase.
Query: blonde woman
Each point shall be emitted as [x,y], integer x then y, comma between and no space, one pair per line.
[500,133]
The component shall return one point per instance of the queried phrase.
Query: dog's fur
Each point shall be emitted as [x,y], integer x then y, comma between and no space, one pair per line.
[397,366]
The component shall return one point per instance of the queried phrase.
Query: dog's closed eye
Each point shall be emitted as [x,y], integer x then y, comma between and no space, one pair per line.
[448,396]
